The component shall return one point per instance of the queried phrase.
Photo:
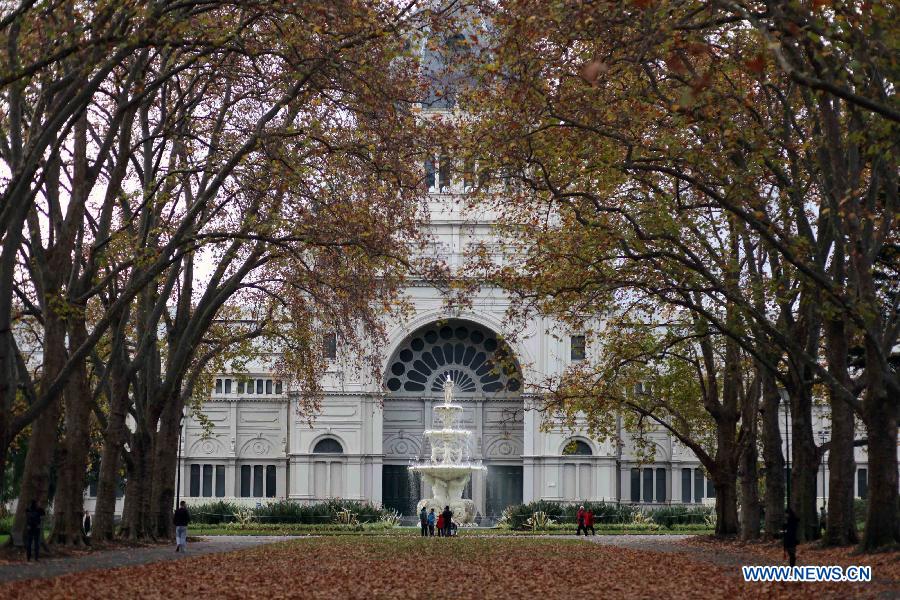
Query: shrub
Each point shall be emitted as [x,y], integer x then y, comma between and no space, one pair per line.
[217,511]
[517,516]
[288,511]
[670,516]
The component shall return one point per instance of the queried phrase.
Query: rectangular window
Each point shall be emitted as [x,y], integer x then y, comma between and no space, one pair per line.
[92,488]
[207,480]
[468,174]
[444,173]
[862,482]
[330,346]
[246,489]
[257,481]
[698,485]
[578,349]
[710,488]
[270,481]
[220,481]
[660,485]
[268,386]
[195,480]
[249,386]
[635,485]
[218,386]
[240,386]
[227,386]
[648,485]
[278,388]
[686,486]
[429,173]
[259,386]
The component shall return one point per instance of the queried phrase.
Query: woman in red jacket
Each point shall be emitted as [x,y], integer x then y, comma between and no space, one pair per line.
[440,525]
[579,517]
[589,522]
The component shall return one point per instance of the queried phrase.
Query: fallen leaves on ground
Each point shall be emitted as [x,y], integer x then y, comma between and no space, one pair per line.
[885,565]
[376,567]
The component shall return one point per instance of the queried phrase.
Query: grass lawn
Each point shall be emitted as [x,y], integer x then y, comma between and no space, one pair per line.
[412,567]
[201,530]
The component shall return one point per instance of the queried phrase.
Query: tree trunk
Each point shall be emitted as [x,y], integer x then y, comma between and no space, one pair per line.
[726,502]
[69,503]
[749,476]
[773,457]
[114,439]
[165,465]
[137,492]
[882,527]
[841,520]
[44,431]
[804,464]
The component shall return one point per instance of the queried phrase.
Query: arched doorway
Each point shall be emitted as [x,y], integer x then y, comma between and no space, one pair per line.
[489,386]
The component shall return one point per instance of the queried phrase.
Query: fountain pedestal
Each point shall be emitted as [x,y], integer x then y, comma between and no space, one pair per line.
[449,467]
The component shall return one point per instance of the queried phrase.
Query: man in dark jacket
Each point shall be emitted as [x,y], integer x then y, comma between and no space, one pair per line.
[448,518]
[34,518]
[790,536]
[180,520]
[423,521]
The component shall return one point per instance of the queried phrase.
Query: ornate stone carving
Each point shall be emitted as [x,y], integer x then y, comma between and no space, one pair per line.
[257,446]
[402,445]
[503,447]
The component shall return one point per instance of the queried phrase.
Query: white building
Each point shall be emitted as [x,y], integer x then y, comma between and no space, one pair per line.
[361,443]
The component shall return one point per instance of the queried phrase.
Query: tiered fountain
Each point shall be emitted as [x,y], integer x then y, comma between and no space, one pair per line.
[450,466]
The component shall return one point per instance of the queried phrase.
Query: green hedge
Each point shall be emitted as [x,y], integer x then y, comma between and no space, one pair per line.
[607,515]
[287,511]
[294,528]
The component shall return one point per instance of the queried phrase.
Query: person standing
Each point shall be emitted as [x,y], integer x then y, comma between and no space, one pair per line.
[823,519]
[34,520]
[589,522]
[790,536]
[423,521]
[579,518]
[431,520]
[440,525]
[180,520]
[86,524]
[448,518]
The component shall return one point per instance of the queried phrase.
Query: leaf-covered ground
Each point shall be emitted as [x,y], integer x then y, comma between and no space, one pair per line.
[371,567]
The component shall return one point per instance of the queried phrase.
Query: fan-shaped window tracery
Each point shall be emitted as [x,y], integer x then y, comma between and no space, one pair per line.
[473,356]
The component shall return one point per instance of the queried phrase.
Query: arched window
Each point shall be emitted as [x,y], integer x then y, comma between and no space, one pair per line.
[576,448]
[328,446]
[475,358]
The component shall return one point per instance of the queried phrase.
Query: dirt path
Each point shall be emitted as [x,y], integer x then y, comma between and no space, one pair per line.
[110,559]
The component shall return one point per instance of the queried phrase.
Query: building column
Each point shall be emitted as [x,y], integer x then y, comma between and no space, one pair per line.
[530,477]
[479,479]
[376,493]
[353,478]
[676,483]
[232,481]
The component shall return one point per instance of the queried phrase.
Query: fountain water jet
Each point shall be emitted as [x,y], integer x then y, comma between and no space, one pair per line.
[450,465]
